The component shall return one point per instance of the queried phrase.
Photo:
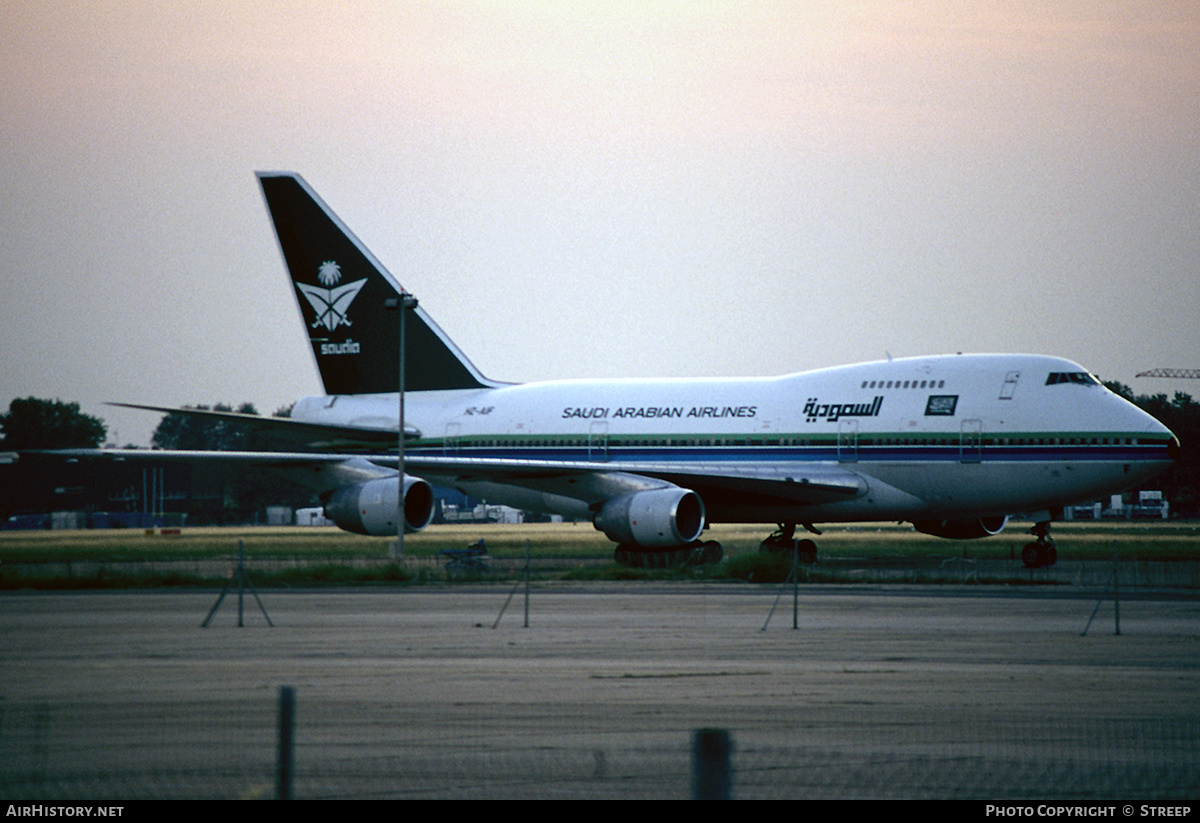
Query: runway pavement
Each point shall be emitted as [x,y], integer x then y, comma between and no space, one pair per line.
[881,692]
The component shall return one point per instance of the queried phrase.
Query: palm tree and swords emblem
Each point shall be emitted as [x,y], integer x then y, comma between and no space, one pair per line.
[330,304]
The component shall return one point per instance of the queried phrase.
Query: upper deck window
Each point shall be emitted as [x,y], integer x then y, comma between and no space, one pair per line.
[906,384]
[1080,377]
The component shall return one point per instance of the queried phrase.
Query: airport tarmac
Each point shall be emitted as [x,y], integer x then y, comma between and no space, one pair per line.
[890,691]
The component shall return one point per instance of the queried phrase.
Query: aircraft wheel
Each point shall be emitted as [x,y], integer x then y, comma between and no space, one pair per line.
[1049,555]
[1031,555]
[808,552]
[712,553]
[808,549]
[773,546]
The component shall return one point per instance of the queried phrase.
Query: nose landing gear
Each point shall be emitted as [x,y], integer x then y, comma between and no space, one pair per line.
[1041,552]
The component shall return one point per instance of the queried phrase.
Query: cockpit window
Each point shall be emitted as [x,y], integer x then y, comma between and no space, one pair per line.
[1080,377]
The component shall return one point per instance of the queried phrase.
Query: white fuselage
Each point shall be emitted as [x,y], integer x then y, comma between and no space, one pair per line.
[930,437]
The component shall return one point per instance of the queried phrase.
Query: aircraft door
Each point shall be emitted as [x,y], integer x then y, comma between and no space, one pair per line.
[970,442]
[598,441]
[847,441]
[1010,385]
[450,442]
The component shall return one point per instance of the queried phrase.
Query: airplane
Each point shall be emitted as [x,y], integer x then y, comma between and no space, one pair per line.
[953,444]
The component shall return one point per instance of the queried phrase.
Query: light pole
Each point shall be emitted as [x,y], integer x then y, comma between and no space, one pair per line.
[402,303]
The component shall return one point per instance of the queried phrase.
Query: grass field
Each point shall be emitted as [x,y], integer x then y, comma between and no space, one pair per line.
[298,556]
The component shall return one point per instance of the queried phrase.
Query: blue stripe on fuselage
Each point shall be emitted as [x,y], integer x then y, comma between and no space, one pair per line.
[823,453]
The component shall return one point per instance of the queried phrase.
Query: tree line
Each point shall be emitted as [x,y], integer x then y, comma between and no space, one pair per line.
[208,492]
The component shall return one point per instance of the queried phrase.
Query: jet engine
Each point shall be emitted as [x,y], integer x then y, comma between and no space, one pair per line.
[370,507]
[656,518]
[961,529]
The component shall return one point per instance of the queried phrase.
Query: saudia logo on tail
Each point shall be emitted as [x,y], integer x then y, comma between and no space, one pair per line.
[331,304]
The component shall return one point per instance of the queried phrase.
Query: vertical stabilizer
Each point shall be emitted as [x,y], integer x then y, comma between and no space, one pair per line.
[341,290]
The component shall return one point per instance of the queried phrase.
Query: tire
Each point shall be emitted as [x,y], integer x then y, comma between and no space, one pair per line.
[808,552]
[1031,555]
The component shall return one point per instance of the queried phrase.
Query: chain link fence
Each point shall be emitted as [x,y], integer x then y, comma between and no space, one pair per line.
[228,749]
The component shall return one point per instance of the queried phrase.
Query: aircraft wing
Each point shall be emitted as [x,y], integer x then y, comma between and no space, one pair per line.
[592,482]
[761,484]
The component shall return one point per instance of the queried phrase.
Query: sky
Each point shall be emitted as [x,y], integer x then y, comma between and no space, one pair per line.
[598,189]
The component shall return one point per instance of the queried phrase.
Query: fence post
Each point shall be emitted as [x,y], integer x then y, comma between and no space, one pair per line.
[710,765]
[287,717]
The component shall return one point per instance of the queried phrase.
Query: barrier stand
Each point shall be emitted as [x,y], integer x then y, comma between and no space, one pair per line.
[513,593]
[1116,595]
[243,581]
[794,578]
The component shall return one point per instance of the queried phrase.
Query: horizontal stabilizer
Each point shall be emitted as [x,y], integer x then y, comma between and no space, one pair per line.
[295,434]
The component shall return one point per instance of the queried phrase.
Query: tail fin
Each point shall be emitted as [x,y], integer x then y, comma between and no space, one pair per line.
[341,289]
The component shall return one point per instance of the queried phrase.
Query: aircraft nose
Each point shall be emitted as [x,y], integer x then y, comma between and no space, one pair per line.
[1157,430]
[1173,448]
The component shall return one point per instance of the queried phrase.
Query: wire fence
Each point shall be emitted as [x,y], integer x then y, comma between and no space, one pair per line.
[228,749]
[1132,574]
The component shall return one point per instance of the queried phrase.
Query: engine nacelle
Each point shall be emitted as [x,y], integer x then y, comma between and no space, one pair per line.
[370,508]
[656,518]
[961,529]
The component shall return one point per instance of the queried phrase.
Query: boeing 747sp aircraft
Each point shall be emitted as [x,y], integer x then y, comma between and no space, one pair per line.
[953,444]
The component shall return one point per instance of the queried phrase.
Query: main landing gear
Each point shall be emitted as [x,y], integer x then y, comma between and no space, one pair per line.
[697,553]
[780,542]
[1041,552]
